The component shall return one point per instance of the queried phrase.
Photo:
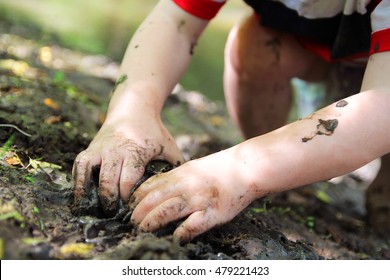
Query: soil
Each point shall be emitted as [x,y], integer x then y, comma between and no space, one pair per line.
[52,104]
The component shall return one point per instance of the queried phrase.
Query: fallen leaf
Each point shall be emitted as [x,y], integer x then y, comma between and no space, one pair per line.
[6,208]
[34,163]
[50,103]
[1,248]
[33,241]
[12,158]
[216,121]
[7,211]
[79,249]
[45,55]
[19,68]
[52,120]
[13,161]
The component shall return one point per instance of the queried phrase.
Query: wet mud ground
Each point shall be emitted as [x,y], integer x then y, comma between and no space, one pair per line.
[52,101]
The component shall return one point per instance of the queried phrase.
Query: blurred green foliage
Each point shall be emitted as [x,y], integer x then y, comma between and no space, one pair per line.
[106,26]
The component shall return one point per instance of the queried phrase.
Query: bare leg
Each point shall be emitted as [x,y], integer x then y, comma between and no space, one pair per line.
[378,199]
[259,65]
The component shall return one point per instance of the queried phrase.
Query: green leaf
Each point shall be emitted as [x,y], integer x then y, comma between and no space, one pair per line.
[310,222]
[7,145]
[33,241]
[323,196]
[12,215]
[258,210]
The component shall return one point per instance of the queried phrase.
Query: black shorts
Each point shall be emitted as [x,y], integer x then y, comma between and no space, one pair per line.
[340,37]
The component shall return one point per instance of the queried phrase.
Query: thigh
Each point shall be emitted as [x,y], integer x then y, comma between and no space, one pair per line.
[256,50]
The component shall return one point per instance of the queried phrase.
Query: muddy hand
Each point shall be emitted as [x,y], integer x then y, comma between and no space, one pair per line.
[207,192]
[120,154]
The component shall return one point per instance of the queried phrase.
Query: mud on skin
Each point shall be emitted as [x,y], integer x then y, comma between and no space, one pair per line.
[275,44]
[90,204]
[329,125]
[90,187]
[247,237]
[341,103]
[324,127]
[100,224]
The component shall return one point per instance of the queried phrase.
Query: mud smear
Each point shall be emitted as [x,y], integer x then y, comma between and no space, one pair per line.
[341,103]
[324,127]
[275,44]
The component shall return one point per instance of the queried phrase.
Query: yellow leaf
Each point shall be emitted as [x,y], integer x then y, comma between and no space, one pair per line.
[33,163]
[79,249]
[216,121]
[8,211]
[50,103]
[43,164]
[1,248]
[45,55]
[19,68]
[33,241]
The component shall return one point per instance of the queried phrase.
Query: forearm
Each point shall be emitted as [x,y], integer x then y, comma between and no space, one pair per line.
[281,160]
[156,57]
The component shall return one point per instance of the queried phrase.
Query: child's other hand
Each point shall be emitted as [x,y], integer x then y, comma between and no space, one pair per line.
[207,192]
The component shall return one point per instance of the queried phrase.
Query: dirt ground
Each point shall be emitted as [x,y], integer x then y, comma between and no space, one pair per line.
[52,101]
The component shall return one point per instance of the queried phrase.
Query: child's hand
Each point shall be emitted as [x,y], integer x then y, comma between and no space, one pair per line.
[209,192]
[122,151]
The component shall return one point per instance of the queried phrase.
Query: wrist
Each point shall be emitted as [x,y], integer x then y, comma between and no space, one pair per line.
[257,167]
[133,105]
[239,168]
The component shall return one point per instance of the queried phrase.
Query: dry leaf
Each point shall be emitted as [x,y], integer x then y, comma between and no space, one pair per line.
[216,121]
[53,119]
[12,158]
[13,161]
[50,103]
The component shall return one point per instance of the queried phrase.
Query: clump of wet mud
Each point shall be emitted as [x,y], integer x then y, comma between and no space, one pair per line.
[100,225]
[90,203]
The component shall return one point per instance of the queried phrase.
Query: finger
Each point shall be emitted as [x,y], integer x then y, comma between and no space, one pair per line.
[172,154]
[152,193]
[196,224]
[171,210]
[108,191]
[130,175]
[82,170]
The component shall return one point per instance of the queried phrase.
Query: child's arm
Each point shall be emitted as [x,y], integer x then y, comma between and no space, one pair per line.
[214,189]
[133,133]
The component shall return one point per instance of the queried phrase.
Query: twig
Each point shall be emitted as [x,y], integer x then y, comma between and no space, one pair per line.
[17,128]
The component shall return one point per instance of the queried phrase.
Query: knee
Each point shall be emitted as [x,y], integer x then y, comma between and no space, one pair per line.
[232,58]
[253,51]
[241,52]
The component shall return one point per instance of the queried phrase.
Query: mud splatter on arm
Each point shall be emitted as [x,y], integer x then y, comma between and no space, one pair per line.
[325,127]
